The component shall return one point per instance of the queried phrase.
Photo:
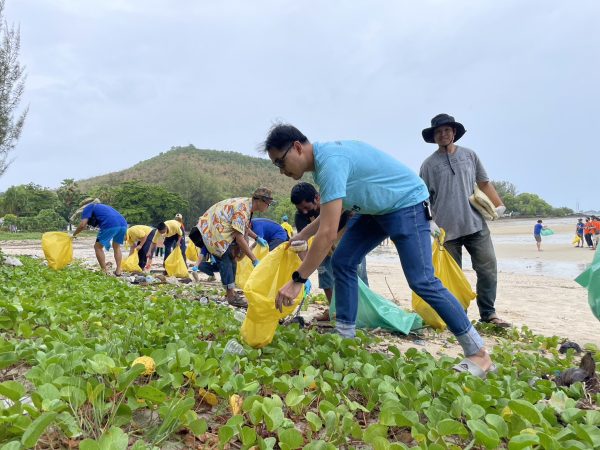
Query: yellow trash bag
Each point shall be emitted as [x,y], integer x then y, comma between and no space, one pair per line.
[244,267]
[175,265]
[191,251]
[58,249]
[576,240]
[132,263]
[261,289]
[452,277]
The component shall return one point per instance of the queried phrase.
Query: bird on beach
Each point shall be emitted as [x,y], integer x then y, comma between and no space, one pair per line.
[585,372]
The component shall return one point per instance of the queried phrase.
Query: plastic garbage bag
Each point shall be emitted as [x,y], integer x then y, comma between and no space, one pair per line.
[546,232]
[244,266]
[175,265]
[452,277]
[132,263]
[58,249]
[590,279]
[191,252]
[375,311]
[576,240]
[273,272]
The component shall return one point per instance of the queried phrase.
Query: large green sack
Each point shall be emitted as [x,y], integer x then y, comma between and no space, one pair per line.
[374,311]
[546,232]
[590,279]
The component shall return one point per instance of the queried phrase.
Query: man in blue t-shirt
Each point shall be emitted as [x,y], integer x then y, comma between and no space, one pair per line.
[270,231]
[112,230]
[537,234]
[579,231]
[389,199]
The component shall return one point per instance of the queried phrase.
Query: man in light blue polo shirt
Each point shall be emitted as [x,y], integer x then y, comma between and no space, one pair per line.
[390,200]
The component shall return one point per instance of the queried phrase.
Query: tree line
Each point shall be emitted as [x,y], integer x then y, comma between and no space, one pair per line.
[31,207]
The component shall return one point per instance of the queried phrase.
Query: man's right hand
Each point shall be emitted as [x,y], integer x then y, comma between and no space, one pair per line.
[434,229]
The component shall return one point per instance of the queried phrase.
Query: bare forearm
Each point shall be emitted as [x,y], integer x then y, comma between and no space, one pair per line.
[243,245]
[308,231]
[489,190]
[316,254]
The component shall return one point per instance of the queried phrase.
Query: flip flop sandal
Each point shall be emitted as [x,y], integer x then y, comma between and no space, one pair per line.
[466,365]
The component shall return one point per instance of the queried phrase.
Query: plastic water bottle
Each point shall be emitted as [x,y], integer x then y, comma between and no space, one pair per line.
[234,347]
[240,316]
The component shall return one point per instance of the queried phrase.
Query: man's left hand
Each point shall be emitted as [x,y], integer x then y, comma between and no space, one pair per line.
[500,210]
[287,294]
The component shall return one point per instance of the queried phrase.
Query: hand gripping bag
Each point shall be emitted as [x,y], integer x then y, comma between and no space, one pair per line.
[175,265]
[58,249]
[375,311]
[132,263]
[273,272]
[191,252]
[452,277]
[245,267]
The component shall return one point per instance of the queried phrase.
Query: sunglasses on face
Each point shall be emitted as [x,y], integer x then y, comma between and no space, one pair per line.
[280,162]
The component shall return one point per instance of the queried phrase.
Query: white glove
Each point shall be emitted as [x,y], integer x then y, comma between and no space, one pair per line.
[500,210]
[434,229]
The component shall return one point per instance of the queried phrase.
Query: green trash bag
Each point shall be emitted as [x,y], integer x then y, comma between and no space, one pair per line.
[590,279]
[374,311]
[546,232]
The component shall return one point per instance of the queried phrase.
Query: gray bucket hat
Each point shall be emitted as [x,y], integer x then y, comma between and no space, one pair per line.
[443,120]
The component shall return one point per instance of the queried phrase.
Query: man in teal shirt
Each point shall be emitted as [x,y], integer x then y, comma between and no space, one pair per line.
[390,200]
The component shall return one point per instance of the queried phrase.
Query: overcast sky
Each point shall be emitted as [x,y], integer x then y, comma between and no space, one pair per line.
[114,82]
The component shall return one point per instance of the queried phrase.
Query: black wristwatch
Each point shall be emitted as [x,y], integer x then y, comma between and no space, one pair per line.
[296,278]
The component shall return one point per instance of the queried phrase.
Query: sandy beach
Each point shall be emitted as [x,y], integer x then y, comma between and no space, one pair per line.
[535,289]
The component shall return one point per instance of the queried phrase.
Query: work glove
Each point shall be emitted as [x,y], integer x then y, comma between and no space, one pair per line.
[256,262]
[195,269]
[261,242]
[434,229]
[500,210]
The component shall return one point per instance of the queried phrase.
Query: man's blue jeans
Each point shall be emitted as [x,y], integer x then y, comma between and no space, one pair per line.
[409,231]
[483,259]
[226,265]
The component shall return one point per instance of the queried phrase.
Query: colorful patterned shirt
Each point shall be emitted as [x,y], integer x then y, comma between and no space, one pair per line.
[221,220]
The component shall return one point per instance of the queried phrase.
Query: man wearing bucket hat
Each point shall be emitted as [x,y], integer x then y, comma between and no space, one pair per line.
[112,229]
[222,231]
[451,174]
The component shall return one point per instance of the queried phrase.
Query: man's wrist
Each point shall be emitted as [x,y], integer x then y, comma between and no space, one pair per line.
[297,278]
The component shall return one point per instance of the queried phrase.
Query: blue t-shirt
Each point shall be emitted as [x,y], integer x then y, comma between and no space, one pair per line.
[580,227]
[537,229]
[107,216]
[269,230]
[367,180]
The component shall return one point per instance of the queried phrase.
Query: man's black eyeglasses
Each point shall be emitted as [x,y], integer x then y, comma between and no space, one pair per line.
[280,162]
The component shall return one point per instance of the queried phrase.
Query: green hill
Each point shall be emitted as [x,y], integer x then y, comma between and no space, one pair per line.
[201,177]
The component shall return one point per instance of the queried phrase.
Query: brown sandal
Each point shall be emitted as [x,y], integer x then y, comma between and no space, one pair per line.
[497,321]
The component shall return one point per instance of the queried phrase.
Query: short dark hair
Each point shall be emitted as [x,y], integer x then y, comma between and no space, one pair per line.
[281,136]
[303,191]
[540,221]
[161,226]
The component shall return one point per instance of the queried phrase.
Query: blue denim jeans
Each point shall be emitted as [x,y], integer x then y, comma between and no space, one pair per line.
[226,265]
[409,231]
[483,259]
